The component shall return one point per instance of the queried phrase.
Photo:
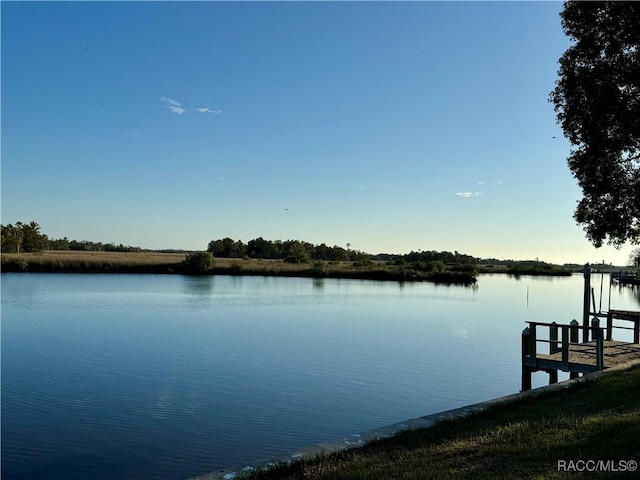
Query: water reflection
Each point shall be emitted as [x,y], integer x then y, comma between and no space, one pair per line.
[198,284]
[636,293]
[456,286]
[630,291]
[535,278]
[226,369]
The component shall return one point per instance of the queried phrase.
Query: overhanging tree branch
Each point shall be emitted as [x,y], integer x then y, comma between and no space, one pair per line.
[597,103]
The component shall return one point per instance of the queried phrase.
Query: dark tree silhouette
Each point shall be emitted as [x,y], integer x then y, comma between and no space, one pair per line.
[597,102]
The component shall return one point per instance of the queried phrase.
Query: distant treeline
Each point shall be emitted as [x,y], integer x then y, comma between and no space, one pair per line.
[27,238]
[444,256]
[292,251]
[66,244]
[528,263]
[297,251]
[22,237]
[525,267]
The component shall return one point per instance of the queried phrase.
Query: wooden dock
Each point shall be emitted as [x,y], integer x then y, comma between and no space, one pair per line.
[624,315]
[562,349]
[598,351]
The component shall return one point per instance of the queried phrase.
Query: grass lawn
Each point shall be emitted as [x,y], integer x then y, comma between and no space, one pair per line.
[547,436]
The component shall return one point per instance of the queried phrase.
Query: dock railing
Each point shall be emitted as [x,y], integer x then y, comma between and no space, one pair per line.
[624,315]
[569,335]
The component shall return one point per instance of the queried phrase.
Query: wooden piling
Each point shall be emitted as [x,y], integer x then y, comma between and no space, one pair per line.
[609,325]
[573,331]
[565,347]
[597,336]
[624,315]
[586,305]
[573,338]
[553,336]
[553,348]
[526,371]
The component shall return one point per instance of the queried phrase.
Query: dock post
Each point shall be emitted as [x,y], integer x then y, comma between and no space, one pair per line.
[586,306]
[573,331]
[573,338]
[565,348]
[526,371]
[553,348]
[597,336]
[553,336]
[609,324]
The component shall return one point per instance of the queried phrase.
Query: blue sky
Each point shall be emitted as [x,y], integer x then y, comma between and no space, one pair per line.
[390,126]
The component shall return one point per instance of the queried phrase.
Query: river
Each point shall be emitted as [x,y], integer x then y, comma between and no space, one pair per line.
[167,376]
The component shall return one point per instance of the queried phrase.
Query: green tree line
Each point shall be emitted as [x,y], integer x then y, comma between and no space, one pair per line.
[297,251]
[26,238]
[444,256]
[22,237]
[292,251]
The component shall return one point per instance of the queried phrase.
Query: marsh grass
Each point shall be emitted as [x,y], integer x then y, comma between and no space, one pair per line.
[152,262]
[593,420]
[372,270]
[92,262]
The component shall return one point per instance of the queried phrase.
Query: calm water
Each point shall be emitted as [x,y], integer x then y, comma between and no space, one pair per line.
[166,377]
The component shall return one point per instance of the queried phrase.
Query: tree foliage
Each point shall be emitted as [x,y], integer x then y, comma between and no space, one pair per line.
[634,258]
[597,102]
[227,248]
[32,239]
[85,245]
[297,251]
[23,237]
[445,257]
[26,238]
[292,251]
[199,262]
[11,237]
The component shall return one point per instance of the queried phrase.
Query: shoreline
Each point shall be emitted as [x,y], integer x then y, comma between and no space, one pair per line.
[362,439]
[159,263]
[173,263]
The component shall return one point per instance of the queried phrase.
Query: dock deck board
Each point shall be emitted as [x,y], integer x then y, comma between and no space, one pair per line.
[615,353]
[570,355]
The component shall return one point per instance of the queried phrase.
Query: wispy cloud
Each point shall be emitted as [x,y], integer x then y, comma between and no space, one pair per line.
[170,101]
[208,110]
[178,108]
[468,194]
[173,105]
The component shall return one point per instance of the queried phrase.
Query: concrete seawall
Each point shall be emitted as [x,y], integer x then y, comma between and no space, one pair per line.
[360,439]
